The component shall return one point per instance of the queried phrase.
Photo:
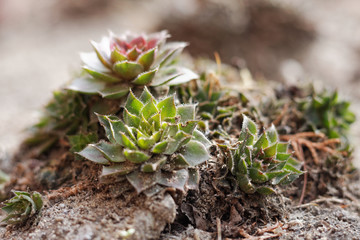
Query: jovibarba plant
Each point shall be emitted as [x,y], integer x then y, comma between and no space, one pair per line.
[155,144]
[326,113]
[119,63]
[21,207]
[261,162]
[207,92]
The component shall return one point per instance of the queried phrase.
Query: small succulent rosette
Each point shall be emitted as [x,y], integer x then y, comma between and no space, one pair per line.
[260,162]
[21,207]
[156,144]
[119,63]
[326,113]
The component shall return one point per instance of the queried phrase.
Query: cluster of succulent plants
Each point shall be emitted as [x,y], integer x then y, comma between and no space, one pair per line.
[326,113]
[64,115]
[259,162]
[155,143]
[119,63]
[21,207]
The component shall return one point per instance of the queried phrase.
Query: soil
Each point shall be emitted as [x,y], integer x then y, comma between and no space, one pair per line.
[78,207]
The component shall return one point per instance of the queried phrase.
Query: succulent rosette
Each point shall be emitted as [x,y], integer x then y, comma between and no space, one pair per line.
[156,144]
[260,162]
[119,63]
[21,207]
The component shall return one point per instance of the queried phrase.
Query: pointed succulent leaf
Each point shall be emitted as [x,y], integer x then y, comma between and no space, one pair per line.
[117,56]
[270,151]
[103,153]
[146,143]
[257,176]
[175,179]
[199,136]
[92,153]
[128,70]
[272,134]
[183,75]
[131,119]
[113,126]
[92,61]
[195,153]
[149,109]
[117,169]
[265,190]
[167,107]
[186,112]
[102,50]
[145,96]
[114,91]
[133,105]
[133,53]
[126,142]
[159,147]
[189,126]
[146,59]
[168,53]
[136,156]
[245,184]
[145,77]
[282,147]
[249,124]
[141,181]
[153,164]
[106,77]
[86,85]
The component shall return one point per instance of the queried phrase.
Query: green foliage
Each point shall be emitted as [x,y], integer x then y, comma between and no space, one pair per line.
[129,60]
[65,114]
[156,143]
[260,162]
[21,207]
[326,113]
[208,93]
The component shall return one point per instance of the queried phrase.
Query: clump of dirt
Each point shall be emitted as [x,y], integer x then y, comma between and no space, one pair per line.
[98,212]
[326,221]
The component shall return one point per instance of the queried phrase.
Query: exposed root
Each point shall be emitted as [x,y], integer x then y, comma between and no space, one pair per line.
[300,140]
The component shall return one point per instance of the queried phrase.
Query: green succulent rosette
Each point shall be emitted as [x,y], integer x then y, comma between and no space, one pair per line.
[156,144]
[21,207]
[209,95]
[326,113]
[119,63]
[261,162]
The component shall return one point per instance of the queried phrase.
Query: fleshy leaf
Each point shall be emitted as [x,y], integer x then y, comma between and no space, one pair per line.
[128,70]
[86,85]
[114,91]
[167,107]
[153,164]
[136,156]
[147,58]
[145,78]
[106,77]
[195,153]
[149,109]
[175,179]
[141,181]
[159,147]
[186,112]
[145,96]
[133,105]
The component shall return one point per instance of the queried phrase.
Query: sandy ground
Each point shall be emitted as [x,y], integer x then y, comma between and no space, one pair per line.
[40,41]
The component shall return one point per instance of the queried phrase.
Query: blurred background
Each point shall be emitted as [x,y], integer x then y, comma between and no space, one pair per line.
[281,40]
